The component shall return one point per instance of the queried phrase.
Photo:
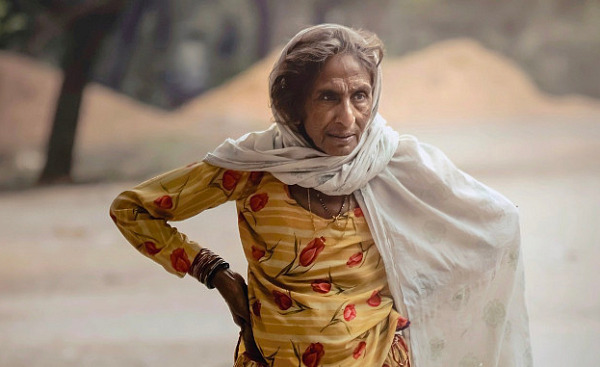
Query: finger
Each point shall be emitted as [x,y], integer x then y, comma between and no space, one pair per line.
[251,346]
[237,302]
[240,309]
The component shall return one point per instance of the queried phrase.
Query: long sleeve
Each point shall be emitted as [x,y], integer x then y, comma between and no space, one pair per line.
[142,214]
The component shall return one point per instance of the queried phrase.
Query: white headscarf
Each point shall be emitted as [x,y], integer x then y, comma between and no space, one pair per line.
[451,245]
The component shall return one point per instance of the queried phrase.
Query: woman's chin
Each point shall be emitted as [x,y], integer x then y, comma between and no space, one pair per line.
[340,149]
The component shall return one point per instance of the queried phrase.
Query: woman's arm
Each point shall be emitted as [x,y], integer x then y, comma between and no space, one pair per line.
[142,213]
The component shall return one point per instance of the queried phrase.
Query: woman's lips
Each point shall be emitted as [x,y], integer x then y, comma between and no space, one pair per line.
[342,137]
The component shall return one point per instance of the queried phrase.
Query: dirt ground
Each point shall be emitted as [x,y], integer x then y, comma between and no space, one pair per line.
[74,293]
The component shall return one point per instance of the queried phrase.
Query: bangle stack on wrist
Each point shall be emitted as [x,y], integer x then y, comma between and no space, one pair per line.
[206,265]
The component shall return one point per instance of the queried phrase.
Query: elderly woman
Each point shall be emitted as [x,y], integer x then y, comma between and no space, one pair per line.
[349,229]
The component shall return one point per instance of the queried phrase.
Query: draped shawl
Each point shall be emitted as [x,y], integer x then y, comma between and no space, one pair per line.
[450,244]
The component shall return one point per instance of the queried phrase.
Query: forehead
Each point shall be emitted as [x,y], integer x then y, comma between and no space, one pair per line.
[342,68]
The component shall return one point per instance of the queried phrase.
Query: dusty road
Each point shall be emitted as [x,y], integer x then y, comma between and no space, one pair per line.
[74,293]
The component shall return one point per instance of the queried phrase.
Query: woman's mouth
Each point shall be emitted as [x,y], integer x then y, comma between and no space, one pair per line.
[342,137]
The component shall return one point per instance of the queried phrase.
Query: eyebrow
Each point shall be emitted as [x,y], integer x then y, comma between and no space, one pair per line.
[329,89]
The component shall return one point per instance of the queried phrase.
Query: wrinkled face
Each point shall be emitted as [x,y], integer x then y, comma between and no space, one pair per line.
[338,106]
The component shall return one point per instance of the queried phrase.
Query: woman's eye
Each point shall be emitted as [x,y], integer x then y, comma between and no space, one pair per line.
[327,97]
[360,96]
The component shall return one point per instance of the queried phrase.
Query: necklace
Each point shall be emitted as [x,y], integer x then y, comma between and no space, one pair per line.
[337,224]
[312,220]
[334,217]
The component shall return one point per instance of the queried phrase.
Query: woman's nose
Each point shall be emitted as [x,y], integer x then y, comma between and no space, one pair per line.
[346,113]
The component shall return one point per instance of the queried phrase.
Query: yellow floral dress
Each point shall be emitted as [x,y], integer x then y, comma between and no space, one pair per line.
[317,288]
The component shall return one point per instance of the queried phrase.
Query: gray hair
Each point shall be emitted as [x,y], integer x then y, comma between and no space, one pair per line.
[302,58]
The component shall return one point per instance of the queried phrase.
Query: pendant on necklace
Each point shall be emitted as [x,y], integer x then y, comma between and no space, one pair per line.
[337,224]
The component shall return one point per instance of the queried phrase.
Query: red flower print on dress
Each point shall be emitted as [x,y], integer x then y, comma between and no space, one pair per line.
[258,201]
[355,259]
[164,202]
[342,313]
[374,300]
[385,365]
[282,300]
[151,248]
[169,201]
[256,308]
[321,286]
[256,177]
[313,354]
[358,212]
[359,350]
[257,253]
[180,261]
[349,312]
[231,179]
[403,323]
[311,251]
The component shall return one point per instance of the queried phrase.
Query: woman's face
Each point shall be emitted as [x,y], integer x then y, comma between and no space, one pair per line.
[338,106]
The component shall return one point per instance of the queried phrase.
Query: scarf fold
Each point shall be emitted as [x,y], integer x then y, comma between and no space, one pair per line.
[307,167]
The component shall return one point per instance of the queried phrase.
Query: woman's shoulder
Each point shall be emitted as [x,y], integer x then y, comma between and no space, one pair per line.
[411,149]
[406,142]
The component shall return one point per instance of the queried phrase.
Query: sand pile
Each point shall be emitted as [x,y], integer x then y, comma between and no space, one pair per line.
[460,79]
[242,98]
[237,106]
[28,92]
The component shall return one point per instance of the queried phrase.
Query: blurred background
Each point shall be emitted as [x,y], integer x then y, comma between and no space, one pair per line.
[96,96]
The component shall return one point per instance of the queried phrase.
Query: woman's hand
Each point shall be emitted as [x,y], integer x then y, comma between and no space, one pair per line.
[234,291]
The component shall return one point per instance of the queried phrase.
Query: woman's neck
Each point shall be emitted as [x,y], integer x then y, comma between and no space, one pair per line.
[324,206]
